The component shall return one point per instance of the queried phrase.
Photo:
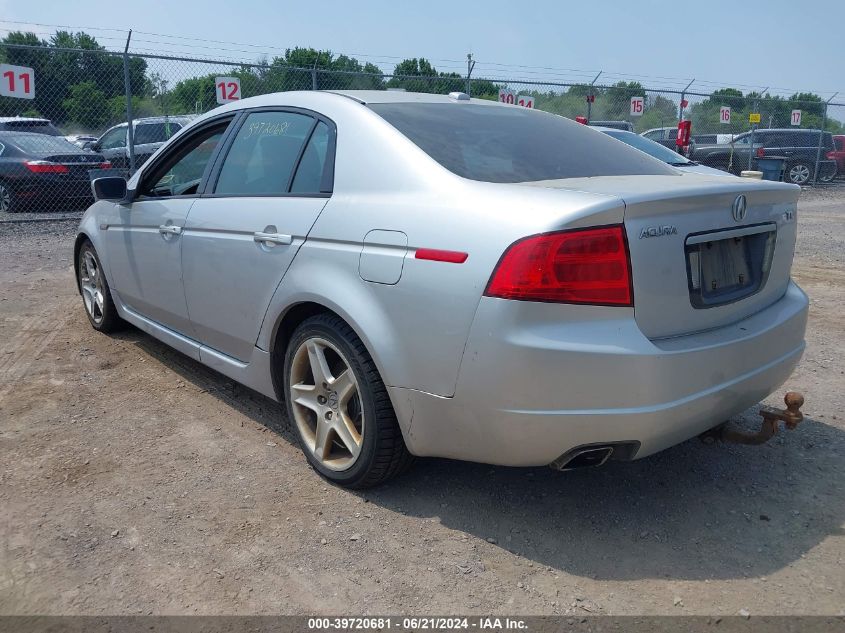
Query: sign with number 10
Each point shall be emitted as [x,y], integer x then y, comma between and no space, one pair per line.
[227,89]
[17,81]
[506,96]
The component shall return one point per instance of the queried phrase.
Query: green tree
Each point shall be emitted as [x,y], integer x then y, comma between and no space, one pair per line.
[87,105]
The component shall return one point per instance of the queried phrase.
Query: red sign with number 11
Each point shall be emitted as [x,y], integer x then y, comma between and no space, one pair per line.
[17,81]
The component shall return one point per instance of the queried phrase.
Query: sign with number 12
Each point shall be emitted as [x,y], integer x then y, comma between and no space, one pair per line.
[17,81]
[227,89]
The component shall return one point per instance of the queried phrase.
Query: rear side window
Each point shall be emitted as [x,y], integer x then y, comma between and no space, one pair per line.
[511,144]
[155,132]
[264,154]
[309,174]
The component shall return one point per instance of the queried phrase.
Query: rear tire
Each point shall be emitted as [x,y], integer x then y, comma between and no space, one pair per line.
[8,203]
[339,407]
[95,291]
[799,173]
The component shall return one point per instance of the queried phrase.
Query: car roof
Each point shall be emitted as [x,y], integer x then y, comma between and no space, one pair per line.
[10,119]
[400,96]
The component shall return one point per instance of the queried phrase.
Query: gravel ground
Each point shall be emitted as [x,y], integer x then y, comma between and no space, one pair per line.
[133,480]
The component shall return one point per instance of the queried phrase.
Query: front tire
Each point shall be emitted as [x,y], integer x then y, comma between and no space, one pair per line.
[339,407]
[94,288]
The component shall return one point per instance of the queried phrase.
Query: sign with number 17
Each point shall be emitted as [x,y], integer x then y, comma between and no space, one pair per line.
[796,117]
[17,81]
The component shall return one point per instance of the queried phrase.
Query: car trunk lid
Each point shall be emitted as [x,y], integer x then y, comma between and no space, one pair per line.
[694,265]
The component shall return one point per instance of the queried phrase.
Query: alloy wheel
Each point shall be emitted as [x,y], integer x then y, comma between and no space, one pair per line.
[326,403]
[5,199]
[799,174]
[91,283]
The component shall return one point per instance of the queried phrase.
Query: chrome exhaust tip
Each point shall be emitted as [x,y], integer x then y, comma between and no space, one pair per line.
[588,457]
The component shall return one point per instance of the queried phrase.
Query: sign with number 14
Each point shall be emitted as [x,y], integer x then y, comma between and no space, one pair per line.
[17,81]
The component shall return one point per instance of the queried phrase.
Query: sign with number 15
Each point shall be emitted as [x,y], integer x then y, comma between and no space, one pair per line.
[17,81]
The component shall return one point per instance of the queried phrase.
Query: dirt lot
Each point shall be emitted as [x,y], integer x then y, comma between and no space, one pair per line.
[133,480]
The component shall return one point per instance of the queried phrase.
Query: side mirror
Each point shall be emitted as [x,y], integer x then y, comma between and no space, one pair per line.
[109,188]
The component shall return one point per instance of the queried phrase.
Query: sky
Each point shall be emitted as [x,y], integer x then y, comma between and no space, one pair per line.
[786,45]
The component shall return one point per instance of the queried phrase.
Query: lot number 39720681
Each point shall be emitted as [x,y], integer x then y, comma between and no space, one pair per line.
[17,81]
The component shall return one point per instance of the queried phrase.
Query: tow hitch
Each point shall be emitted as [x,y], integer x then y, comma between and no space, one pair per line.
[790,416]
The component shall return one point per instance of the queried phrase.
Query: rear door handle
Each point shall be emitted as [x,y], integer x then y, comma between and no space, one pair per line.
[169,229]
[272,238]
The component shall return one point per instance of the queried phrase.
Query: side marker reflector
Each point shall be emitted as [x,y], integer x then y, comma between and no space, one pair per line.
[437,255]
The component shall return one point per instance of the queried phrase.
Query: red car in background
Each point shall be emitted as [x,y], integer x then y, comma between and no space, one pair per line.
[838,154]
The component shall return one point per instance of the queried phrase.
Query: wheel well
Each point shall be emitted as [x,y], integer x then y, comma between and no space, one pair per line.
[284,331]
[80,239]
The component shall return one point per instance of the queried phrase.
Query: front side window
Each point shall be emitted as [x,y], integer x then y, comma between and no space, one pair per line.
[113,139]
[264,154]
[182,170]
[155,132]
[494,143]
[838,144]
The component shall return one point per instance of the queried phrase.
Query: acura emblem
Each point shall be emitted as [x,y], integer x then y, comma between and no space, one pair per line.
[740,206]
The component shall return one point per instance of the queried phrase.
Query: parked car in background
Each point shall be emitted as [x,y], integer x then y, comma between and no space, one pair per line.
[149,134]
[81,140]
[838,153]
[433,275]
[660,152]
[38,170]
[28,124]
[712,139]
[666,136]
[799,148]
[616,125]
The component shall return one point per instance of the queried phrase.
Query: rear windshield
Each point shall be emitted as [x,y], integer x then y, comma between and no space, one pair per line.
[39,144]
[513,144]
[39,127]
[652,148]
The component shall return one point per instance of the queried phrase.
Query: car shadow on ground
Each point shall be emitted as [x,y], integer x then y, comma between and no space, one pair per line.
[692,512]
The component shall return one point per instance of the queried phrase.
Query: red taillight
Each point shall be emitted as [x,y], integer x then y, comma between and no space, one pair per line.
[45,167]
[761,153]
[577,266]
[104,165]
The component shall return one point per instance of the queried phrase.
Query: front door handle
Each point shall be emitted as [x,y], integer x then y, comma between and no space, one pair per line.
[169,229]
[272,238]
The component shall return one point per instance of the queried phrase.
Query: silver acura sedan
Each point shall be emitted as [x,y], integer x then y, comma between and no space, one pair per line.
[435,275]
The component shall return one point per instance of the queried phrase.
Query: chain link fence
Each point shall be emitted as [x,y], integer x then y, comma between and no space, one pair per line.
[88,96]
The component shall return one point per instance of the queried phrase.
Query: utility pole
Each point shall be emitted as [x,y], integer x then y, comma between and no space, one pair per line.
[754,107]
[470,66]
[130,132]
[591,96]
[683,99]
[821,137]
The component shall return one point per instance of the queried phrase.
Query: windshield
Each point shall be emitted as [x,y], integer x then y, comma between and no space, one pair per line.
[43,144]
[660,152]
[512,144]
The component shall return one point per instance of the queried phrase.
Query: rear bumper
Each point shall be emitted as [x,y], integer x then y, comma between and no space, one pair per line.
[537,381]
